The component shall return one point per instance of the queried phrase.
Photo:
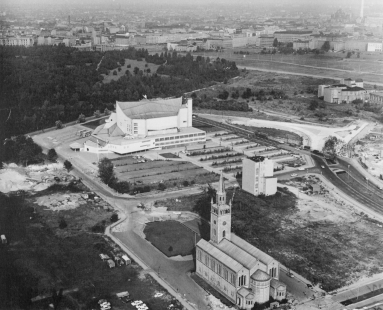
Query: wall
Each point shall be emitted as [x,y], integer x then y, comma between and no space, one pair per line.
[248,176]
[161,123]
[270,186]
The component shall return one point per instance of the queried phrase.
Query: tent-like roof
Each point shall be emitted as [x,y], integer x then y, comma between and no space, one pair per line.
[219,255]
[146,109]
[260,275]
[249,248]
[75,146]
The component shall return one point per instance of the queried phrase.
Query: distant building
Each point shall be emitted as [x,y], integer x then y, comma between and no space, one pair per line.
[257,176]
[374,47]
[265,41]
[291,36]
[17,41]
[241,272]
[346,91]
[376,98]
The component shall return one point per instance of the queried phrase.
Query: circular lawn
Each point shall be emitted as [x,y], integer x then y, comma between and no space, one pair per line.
[171,237]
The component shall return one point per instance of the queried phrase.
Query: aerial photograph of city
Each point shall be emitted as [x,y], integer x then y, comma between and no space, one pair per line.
[191,155]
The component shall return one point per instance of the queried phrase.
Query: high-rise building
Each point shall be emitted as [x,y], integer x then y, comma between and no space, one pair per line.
[257,176]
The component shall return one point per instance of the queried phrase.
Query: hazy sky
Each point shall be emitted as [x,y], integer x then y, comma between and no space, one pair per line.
[353,5]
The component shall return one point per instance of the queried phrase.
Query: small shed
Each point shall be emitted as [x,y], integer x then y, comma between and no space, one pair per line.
[3,239]
[111,263]
[104,257]
[75,146]
[126,260]
[123,294]
[315,188]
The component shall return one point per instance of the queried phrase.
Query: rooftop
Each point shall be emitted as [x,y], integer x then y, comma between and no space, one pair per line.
[260,275]
[146,109]
[257,159]
[219,255]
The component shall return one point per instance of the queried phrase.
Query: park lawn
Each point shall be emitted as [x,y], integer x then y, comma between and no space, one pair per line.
[171,238]
[133,63]
[41,256]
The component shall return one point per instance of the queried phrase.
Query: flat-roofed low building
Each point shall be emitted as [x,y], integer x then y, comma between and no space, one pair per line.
[291,36]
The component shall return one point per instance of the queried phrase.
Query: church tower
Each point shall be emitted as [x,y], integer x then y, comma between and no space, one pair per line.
[220,216]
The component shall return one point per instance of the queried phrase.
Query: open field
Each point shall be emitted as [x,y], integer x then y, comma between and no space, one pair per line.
[318,236]
[301,91]
[141,65]
[60,249]
[171,237]
[328,64]
[168,172]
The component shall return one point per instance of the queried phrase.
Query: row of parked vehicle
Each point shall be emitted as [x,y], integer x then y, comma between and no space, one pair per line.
[116,260]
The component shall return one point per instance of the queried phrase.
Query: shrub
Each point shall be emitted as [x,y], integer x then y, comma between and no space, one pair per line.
[185,183]
[52,155]
[67,165]
[114,218]
[161,186]
[114,72]
[62,224]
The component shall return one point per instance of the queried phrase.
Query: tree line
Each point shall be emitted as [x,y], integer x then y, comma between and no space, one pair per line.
[43,84]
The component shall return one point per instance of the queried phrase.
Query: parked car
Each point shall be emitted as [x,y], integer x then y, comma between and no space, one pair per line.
[294,175]
[322,167]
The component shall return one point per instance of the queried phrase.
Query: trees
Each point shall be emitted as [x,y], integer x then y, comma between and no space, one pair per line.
[81,118]
[59,124]
[136,70]
[332,146]
[326,46]
[52,155]
[114,218]
[97,113]
[68,165]
[275,43]
[105,171]
[313,105]
[348,55]
[161,186]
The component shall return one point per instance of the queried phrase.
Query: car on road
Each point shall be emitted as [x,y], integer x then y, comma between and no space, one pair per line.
[294,175]
[290,274]
[310,286]
[301,169]
[322,167]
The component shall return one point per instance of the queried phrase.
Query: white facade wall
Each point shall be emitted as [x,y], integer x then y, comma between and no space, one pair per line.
[162,123]
[321,90]
[270,186]
[262,291]
[256,177]
[182,118]
[374,47]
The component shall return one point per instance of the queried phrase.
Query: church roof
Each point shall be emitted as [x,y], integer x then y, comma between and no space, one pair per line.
[146,109]
[244,245]
[243,291]
[275,283]
[237,253]
[260,275]
[225,259]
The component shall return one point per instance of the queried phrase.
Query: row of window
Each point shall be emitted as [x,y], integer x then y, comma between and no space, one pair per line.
[216,266]
[179,141]
[180,137]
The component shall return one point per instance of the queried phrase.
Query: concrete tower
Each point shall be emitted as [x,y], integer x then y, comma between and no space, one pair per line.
[220,217]
[362,9]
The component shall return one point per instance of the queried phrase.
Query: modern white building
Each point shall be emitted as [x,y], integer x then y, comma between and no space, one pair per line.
[347,91]
[241,272]
[146,124]
[257,176]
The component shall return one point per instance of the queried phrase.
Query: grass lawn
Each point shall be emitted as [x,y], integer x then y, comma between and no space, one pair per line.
[169,155]
[133,63]
[171,237]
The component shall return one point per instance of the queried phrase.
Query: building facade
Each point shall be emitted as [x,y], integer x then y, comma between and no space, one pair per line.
[242,273]
[257,176]
[146,124]
[376,98]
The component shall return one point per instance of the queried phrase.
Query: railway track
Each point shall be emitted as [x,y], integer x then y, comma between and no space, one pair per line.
[370,200]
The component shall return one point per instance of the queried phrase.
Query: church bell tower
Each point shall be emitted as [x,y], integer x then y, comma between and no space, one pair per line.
[220,216]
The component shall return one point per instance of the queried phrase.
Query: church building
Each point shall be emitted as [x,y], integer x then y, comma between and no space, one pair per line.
[242,273]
